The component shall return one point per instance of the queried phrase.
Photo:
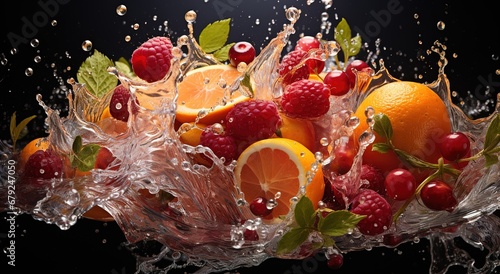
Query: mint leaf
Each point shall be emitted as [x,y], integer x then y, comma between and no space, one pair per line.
[381,147]
[492,137]
[123,66]
[490,159]
[304,213]
[84,156]
[18,130]
[222,54]
[93,73]
[214,35]
[246,82]
[350,45]
[383,126]
[338,223]
[292,239]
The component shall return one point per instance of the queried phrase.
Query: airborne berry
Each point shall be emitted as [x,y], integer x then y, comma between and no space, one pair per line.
[151,61]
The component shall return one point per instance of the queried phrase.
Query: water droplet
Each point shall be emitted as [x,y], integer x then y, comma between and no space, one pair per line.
[34,43]
[366,138]
[494,57]
[128,38]
[155,17]
[3,60]
[222,83]
[37,59]
[257,21]
[121,10]
[206,81]
[324,16]
[441,25]
[497,72]
[324,141]
[118,106]
[28,72]
[135,26]
[53,23]
[415,16]
[369,112]
[42,171]
[87,45]
[242,66]
[190,16]
[13,51]
[292,14]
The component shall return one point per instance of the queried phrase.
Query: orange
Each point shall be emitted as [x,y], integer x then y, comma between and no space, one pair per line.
[97,213]
[105,114]
[30,148]
[190,133]
[202,89]
[419,120]
[275,165]
[300,130]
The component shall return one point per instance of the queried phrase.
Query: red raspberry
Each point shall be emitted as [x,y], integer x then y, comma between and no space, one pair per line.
[44,164]
[375,178]
[118,105]
[377,210]
[253,120]
[151,61]
[306,99]
[221,144]
[289,63]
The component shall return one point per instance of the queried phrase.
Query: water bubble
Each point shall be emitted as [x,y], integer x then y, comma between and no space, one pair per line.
[135,26]
[155,17]
[323,141]
[28,72]
[441,25]
[34,43]
[37,59]
[190,16]
[415,16]
[128,38]
[121,10]
[87,45]
[324,16]
[53,23]
[13,51]
[257,21]
[3,60]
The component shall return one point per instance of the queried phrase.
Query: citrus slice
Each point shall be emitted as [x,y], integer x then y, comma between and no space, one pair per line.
[279,165]
[204,89]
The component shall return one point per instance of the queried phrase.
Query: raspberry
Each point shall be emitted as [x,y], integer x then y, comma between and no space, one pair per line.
[375,178]
[222,145]
[377,210]
[151,61]
[118,105]
[253,120]
[44,164]
[288,70]
[306,99]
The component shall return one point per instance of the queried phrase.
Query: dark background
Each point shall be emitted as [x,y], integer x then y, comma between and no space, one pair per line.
[473,51]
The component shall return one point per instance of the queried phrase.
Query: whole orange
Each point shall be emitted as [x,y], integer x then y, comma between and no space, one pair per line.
[419,120]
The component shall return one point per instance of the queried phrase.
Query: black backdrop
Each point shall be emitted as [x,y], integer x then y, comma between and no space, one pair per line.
[95,247]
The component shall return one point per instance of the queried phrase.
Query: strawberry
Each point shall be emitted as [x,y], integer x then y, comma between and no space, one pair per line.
[253,120]
[289,69]
[305,99]
[377,210]
[221,144]
[151,61]
[374,177]
[118,105]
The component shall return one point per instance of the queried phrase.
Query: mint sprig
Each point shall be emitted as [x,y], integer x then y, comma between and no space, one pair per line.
[350,45]
[213,39]
[83,157]
[94,74]
[17,131]
[336,223]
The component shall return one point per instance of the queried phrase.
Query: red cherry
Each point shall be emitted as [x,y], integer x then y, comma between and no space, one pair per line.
[400,184]
[259,207]
[438,195]
[250,235]
[338,82]
[356,65]
[454,146]
[307,43]
[344,154]
[335,261]
[241,52]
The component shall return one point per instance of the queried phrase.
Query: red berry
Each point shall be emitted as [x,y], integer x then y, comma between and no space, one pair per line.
[454,146]
[222,145]
[438,195]
[104,158]
[305,99]
[400,184]
[151,61]
[250,235]
[44,164]
[259,207]
[335,261]
[290,69]
[332,197]
[377,210]
[355,66]
[374,177]
[307,43]
[118,105]
[343,154]
[338,82]
[253,120]
[241,52]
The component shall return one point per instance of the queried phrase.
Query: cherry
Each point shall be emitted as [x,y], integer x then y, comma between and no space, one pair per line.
[343,159]
[44,164]
[250,235]
[118,105]
[338,82]
[307,43]
[400,184]
[335,261]
[438,195]
[454,146]
[355,65]
[259,207]
[241,52]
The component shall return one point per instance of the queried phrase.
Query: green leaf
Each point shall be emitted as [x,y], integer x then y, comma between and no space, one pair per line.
[492,137]
[338,223]
[383,126]
[304,212]
[123,66]
[292,240]
[214,35]
[84,156]
[490,159]
[18,130]
[77,144]
[343,36]
[381,147]
[222,54]
[93,73]
[355,45]
[247,83]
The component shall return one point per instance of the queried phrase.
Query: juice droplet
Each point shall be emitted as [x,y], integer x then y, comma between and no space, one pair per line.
[441,25]
[190,16]
[135,26]
[292,14]
[87,45]
[127,38]
[121,10]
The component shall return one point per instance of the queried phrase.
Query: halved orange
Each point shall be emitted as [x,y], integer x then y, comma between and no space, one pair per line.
[203,89]
[279,165]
